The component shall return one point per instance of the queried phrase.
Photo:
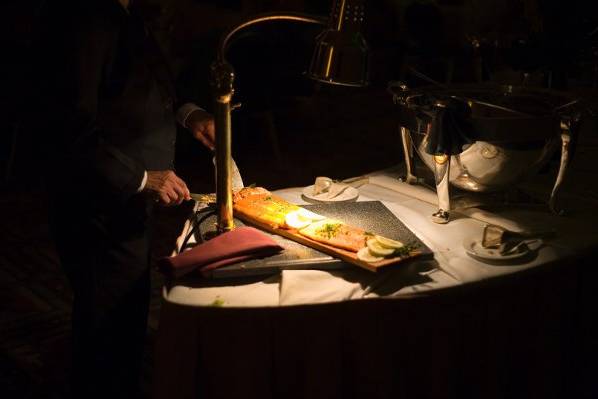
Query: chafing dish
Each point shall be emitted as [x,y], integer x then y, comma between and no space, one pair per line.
[485,138]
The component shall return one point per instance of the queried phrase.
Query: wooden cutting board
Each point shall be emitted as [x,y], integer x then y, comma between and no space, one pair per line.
[370,216]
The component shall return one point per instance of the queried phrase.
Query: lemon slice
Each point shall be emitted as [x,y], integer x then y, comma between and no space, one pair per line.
[365,255]
[377,249]
[310,215]
[295,220]
[388,243]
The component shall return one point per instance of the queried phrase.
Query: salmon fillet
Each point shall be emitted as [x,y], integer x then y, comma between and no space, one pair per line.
[337,234]
[261,205]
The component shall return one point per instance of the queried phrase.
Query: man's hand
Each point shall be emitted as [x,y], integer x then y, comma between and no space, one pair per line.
[166,187]
[201,125]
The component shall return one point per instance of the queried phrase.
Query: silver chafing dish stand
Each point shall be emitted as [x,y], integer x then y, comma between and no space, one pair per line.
[504,135]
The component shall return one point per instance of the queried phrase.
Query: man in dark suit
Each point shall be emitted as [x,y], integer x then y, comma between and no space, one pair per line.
[108,103]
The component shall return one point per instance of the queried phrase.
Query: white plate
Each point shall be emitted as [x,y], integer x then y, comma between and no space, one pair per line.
[473,247]
[350,194]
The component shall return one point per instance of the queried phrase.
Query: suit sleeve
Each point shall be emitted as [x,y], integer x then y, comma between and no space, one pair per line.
[89,161]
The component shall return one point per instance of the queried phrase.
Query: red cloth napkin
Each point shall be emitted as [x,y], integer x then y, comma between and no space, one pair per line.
[234,246]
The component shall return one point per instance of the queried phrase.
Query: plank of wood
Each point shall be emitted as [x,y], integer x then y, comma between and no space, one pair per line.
[347,256]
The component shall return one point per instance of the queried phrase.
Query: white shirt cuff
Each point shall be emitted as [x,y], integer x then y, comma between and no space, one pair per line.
[143,181]
[184,111]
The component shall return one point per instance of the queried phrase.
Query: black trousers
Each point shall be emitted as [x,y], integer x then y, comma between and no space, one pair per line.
[105,256]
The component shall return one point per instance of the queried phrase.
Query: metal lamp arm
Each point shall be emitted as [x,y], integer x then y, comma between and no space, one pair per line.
[268,17]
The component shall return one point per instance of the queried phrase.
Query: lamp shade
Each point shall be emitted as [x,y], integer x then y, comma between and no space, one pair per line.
[341,55]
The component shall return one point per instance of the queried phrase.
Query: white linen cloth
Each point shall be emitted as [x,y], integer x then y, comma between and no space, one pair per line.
[412,205]
[258,294]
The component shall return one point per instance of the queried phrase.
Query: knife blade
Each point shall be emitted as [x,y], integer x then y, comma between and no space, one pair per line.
[205,199]
[237,180]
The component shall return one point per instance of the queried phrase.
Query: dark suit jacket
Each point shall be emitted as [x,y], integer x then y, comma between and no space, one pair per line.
[107,97]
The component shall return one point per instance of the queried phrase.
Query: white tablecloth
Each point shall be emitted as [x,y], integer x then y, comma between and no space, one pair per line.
[413,205]
[451,327]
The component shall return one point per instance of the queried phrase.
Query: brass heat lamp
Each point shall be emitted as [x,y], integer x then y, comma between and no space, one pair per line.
[340,57]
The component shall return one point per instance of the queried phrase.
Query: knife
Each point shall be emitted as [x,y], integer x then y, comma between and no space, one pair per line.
[237,183]
[205,199]
[237,180]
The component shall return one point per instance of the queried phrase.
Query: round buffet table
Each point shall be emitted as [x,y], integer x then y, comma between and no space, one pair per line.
[448,327]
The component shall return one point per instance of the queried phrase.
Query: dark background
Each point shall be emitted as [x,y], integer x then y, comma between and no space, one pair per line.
[287,131]
[553,42]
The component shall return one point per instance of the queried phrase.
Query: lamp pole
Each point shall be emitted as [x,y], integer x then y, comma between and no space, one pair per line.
[222,86]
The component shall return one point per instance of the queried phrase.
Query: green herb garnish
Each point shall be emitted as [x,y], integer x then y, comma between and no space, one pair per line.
[329,230]
[218,302]
[405,249]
